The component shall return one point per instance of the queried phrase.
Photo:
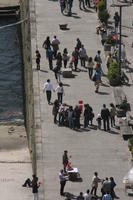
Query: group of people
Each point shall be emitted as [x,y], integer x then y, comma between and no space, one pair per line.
[107,184]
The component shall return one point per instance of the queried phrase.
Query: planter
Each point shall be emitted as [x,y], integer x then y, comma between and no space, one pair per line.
[114,82]
[107,47]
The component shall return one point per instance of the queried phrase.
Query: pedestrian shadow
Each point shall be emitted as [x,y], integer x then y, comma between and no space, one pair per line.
[69,195]
[93,127]
[103,93]
[76,17]
[105,85]
[113,132]
[65,84]
[78,180]
[41,70]
[88,10]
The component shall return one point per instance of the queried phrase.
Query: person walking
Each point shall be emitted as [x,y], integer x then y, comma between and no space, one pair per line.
[59,60]
[62,5]
[95,181]
[50,58]
[57,72]
[55,110]
[82,55]
[65,160]
[70,4]
[60,92]
[107,196]
[63,180]
[46,45]
[105,114]
[75,57]
[48,87]
[97,58]
[38,58]
[97,79]
[65,57]
[77,113]
[90,66]
[55,44]
[112,111]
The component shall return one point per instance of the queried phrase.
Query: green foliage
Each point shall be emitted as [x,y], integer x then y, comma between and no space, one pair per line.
[113,74]
[130,143]
[103,15]
[101,5]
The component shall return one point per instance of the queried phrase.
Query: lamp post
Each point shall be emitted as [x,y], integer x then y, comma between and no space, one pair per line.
[120,6]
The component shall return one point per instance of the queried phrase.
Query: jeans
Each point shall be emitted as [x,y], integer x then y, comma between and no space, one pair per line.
[82,59]
[35,196]
[60,97]
[94,189]
[106,124]
[62,185]
[90,70]
[70,122]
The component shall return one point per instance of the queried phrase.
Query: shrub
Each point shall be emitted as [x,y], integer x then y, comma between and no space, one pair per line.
[103,15]
[130,143]
[113,74]
[101,5]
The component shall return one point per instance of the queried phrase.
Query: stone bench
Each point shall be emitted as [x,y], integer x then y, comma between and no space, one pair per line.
[125,130]
[67,73]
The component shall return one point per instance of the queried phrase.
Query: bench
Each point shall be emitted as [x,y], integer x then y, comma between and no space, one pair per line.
[125,130]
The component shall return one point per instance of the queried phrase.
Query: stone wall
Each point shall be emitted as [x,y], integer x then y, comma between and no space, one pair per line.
[28,79]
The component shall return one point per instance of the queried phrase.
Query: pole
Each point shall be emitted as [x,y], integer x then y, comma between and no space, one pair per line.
[120,41]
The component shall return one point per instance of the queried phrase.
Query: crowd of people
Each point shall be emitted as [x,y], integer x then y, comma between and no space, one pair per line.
[107,184]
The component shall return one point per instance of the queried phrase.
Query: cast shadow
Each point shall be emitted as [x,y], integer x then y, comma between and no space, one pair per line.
[78,180]
[41,70]
[130,194]
[103,93]
[104,85]
[93,127]
[88,11]
[65,84]
[113,132]
[69,195]
[76,17]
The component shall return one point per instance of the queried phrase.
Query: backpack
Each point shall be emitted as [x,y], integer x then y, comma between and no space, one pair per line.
[95,59]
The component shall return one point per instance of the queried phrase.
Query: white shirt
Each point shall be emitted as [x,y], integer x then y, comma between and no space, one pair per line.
[87,196]
[48,87]
[59,89]
[82,52]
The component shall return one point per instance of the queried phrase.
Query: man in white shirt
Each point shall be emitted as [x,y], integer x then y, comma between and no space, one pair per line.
[95,181]
[55,44]
[48,87]
[87,195]
[107,196]
[83,55]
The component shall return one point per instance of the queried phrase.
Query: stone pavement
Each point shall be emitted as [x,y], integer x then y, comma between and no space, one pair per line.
[91,150]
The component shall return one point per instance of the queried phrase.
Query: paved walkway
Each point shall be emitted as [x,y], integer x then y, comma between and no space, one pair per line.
[91,150]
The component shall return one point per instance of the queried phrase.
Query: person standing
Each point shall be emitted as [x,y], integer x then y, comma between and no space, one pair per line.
[107,196]
[87,195]
[87,3]
[112,111]
[65,160]
[90,66]
[78,45]
[55,110]
[106,186]
[99,120]
[35,187]
[81,4]
[95,181]
[97,79]
[75,57]
[55,45]
[46,45]
[50,58]
[56,71]
[48,87]
[59,60]
[70,117]
[117,21]
[60,92]
[70,4]
[105,114]
[62,179]
[112,186]
[65,57]
[109,60]
[80,197]
[77,113]
[62,5]
[82,55]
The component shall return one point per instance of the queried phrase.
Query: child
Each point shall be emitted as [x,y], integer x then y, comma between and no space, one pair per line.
[99,121]
[38,57]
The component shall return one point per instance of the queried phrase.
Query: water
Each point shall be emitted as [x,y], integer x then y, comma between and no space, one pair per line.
[11,91]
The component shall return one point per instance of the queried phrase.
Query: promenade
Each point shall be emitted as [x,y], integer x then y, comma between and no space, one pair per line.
[91,150]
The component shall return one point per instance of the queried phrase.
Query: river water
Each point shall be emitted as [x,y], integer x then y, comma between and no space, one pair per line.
[11,89]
